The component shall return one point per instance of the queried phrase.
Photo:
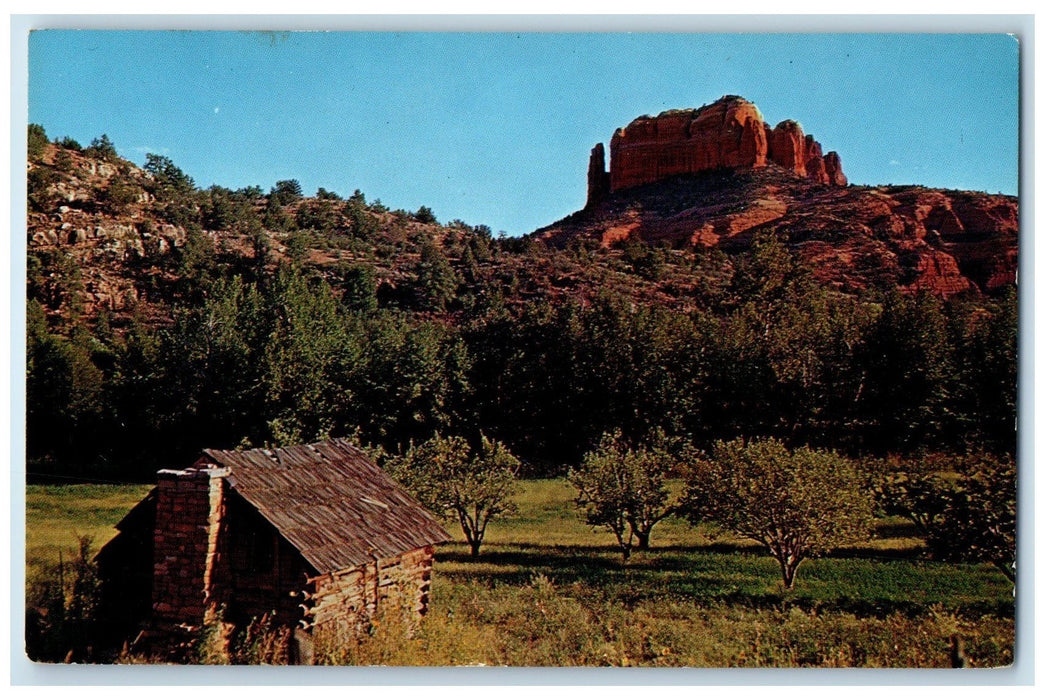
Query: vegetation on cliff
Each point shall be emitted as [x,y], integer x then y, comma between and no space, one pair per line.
[177,316]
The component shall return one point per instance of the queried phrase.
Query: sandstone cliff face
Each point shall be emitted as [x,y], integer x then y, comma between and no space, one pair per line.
[729,133]
[914,238]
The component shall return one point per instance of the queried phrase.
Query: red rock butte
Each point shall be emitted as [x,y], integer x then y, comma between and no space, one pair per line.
[729,133]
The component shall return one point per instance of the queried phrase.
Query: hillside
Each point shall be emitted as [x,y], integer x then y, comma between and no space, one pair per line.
[105,236]
[718,177]
[707,305]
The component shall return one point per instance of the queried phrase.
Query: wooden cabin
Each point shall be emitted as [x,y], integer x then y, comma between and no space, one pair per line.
[310,535]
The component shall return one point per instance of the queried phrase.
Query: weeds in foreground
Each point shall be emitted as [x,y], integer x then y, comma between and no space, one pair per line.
[61,610]
[262,642]
[545,624]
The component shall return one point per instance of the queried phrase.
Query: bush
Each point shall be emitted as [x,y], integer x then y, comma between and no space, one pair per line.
[61,611]
[321,215]
[120,194]
[39,195]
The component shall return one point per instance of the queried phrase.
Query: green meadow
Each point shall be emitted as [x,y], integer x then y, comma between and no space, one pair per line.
[548,591]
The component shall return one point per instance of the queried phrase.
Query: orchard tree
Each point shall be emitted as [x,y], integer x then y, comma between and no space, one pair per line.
[623,490]
[979,522]
[798,504]
[910,489]
[451,479]
[964,507]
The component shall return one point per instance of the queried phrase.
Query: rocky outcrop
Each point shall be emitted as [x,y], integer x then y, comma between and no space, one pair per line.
[833,168]
[729,133]
[598,178]
[913,238]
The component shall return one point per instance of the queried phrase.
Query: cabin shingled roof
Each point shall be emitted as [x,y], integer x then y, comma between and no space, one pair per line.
[331,502]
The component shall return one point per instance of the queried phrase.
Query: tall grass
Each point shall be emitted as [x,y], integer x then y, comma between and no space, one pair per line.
[58,516]
[545,624]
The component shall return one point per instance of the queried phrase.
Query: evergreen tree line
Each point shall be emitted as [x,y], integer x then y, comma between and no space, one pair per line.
[259,358]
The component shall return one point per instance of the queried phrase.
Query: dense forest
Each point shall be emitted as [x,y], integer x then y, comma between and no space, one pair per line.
[280,318]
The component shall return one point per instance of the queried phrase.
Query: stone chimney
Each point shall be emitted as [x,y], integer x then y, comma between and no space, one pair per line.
[189,506]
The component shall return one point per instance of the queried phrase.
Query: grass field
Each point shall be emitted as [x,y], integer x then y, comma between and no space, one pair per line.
[547,591]
[57,516]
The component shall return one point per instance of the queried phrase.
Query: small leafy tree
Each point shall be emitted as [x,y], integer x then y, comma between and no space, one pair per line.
[623,490]
[797,504]
[979,521]
[910,489]
[452,480]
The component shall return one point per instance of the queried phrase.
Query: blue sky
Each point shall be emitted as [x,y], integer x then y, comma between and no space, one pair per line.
[496,128]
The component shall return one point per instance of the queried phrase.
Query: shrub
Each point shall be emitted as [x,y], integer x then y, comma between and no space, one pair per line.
[37,141]
[61,613]
[120,194]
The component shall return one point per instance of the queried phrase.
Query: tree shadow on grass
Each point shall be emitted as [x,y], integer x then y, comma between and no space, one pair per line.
[737,575]
[899,529]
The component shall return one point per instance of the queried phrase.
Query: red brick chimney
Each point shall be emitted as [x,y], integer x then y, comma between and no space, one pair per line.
[189,506]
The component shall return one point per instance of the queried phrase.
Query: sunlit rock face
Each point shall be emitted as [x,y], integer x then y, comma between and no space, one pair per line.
[729,133]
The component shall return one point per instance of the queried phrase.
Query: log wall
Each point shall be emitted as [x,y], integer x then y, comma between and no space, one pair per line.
[352,596]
